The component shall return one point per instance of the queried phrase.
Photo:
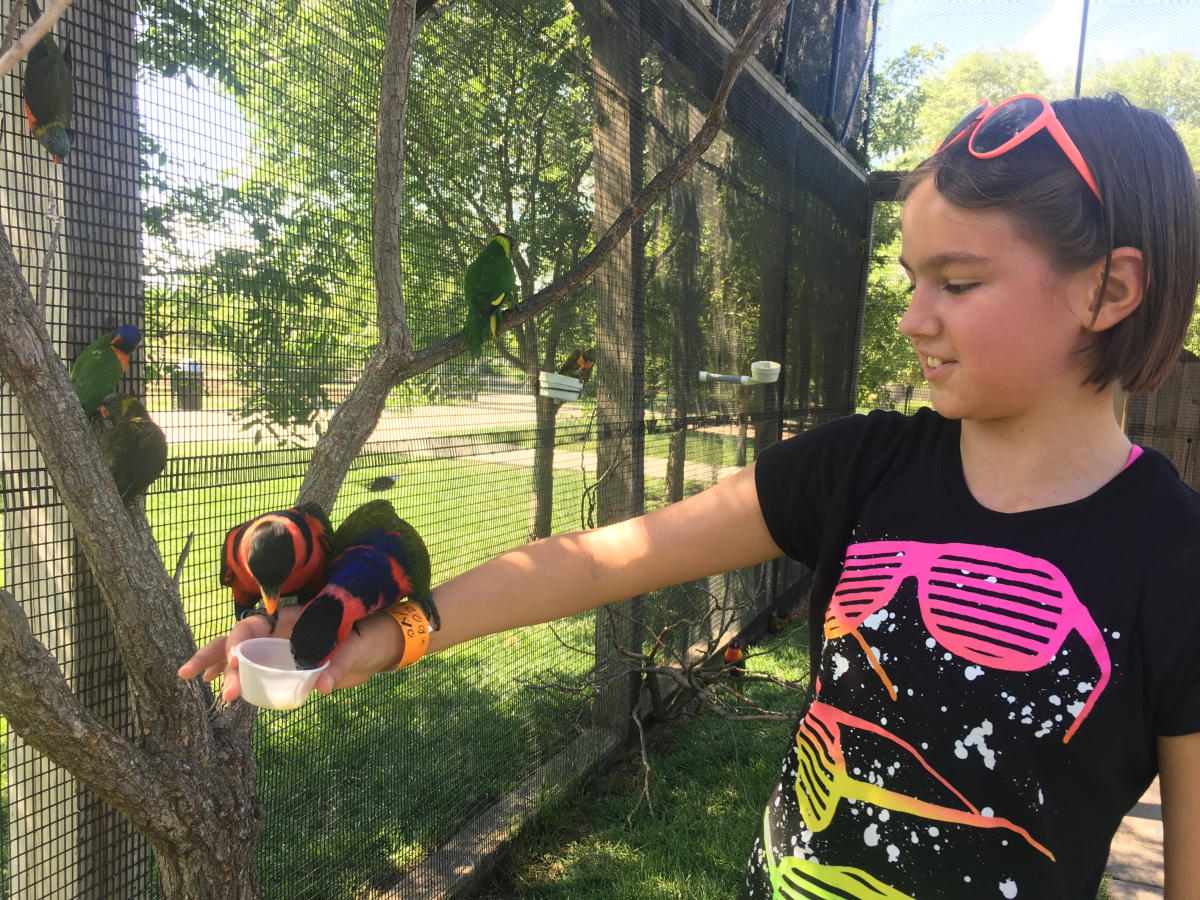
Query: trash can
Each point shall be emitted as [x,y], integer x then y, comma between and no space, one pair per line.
[187,383]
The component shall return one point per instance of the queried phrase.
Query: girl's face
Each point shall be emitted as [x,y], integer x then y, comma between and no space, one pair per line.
[992,323]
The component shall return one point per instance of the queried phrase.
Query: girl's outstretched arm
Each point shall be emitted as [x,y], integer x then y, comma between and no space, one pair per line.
[1179,779]
[715,531]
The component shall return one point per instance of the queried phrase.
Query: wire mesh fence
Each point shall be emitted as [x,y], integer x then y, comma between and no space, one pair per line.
[219,196]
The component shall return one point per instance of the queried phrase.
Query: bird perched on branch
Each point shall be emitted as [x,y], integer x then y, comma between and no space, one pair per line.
[100,365]
[135,449]
[490,286]
[47,93]
[275,554]
[378,560]
[579,363]
[733,663]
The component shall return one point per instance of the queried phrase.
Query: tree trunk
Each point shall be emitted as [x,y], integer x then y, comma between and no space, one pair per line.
[541,511]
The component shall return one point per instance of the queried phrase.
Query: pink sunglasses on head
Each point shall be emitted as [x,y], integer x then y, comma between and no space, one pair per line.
[992,131]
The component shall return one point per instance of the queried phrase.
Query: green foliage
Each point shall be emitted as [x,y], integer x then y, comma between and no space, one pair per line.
[897,95]
[270,263]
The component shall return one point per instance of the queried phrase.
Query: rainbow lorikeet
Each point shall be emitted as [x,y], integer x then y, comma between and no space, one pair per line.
[579,363]
[47,93]
[277,553]
[100,365]
[134,449]
[490,287]
[378,560]
[733,662]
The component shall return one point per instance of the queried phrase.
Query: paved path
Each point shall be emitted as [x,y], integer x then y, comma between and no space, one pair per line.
[446,432]
[1136,861]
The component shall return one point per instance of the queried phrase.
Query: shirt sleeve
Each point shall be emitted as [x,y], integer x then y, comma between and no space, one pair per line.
[803,480]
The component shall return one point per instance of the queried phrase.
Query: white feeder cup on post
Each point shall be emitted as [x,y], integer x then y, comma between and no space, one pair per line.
[560,387]
[763,371]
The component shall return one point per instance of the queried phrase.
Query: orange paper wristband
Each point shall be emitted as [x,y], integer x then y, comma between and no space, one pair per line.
[416,630]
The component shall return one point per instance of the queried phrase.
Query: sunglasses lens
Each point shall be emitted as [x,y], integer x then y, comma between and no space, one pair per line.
[1006,123]
[967,121]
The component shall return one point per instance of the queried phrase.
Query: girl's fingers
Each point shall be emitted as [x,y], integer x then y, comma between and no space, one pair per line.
[210,657]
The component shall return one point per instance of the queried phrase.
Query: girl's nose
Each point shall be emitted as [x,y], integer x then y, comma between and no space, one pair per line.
[919,318]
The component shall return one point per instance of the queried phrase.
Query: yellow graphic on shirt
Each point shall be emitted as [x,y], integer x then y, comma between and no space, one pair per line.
[793,878]
[822,779]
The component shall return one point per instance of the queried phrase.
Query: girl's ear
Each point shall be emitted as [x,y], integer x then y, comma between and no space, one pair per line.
[1122,293]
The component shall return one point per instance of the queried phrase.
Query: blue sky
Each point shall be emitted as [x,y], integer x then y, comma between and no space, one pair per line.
[1049,28]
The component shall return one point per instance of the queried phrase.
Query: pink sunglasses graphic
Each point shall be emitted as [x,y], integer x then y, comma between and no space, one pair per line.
[994,607]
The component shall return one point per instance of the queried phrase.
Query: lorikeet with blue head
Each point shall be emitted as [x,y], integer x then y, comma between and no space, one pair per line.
[275,554]
[378,560]
[47,93]
[100,365]
[490,287]
[134,449]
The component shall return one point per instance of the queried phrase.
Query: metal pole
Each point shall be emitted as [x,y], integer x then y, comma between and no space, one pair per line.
[835,60]
[1082,39]
[868,65]
[781,62]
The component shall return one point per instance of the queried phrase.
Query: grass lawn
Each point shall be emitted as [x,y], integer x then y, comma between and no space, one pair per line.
[709,781]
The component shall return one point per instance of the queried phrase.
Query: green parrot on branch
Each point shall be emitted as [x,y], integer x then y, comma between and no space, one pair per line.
[490,286]
[100,365]
[135,449]
[48,94]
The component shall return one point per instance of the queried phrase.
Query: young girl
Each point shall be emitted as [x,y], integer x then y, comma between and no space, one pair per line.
[1004,587]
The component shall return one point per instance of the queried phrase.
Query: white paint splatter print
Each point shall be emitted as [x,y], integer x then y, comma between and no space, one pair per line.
[1008,889]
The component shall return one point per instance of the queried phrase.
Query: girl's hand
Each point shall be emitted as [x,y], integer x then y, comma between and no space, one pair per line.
[372,647]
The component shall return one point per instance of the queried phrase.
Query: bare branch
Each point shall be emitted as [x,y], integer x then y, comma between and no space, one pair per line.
[34,33]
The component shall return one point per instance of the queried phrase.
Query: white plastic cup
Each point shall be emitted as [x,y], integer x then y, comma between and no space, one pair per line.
[560,387]
[764,371]
[270,678]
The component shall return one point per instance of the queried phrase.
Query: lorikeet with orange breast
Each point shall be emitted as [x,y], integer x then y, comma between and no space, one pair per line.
[275,554]
[579,363]
[733,662]
[378,560]
[100,365]
[47,93]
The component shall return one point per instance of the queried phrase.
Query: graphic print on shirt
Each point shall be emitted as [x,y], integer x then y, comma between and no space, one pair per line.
[991,609]
[997,608]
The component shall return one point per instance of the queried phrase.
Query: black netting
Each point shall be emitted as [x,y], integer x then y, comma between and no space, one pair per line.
[220,194]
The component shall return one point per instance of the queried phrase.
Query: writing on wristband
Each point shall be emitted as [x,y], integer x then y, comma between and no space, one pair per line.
[416,630]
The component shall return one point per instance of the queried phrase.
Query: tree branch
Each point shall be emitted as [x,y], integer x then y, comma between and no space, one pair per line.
[148,624]
[394,360]
[40,706]
[34,33]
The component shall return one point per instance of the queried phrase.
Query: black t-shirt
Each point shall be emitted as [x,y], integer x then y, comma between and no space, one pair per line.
[990,686]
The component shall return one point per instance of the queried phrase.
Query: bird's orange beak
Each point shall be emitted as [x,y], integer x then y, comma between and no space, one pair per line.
[271,603]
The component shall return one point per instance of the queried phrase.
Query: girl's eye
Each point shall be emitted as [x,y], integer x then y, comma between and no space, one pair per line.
[959,287]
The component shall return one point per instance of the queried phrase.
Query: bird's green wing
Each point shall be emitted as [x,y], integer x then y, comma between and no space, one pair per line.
[374,514]
[96,372]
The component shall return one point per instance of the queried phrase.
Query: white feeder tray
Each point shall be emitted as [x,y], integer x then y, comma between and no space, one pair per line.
[763,371]
[560,387]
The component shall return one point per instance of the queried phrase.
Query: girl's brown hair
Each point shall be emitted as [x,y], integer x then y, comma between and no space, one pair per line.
[1150,202]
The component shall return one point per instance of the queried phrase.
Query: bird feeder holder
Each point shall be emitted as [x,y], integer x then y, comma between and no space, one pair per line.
[761,372]
[560,387]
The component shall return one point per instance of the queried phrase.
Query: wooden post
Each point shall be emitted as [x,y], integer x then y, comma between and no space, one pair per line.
[614,28]
[63,842]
